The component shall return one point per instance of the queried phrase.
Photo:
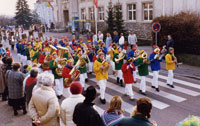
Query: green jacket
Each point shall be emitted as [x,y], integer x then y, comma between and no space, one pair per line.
[36,56]
[27,53]
[136,120]
[82,70]
[118,66]
[53,68]
[142,67]
[65,55]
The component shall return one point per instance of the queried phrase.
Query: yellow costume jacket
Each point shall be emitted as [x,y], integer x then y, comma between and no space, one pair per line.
[170,64]
[98,71]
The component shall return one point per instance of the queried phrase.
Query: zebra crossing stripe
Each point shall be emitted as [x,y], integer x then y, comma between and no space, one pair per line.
[126,106]
[161,93]
[156,103]
[189,84]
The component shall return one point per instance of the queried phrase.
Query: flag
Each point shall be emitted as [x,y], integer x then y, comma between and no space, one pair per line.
[96,3]
[47,4]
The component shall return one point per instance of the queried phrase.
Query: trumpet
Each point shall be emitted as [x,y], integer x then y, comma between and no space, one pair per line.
[157,51]
[106,64]
[145,57]
[47,58]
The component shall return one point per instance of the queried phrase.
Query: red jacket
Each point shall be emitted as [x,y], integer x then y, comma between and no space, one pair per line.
[41,58]
[65,72]
[128,73]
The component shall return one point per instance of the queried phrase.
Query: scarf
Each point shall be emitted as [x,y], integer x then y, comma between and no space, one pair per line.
[112,118]
[30,81]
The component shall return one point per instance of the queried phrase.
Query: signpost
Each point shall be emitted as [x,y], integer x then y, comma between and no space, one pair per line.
[156,27]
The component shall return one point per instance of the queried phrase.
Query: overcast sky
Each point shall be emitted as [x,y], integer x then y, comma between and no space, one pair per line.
[8,7]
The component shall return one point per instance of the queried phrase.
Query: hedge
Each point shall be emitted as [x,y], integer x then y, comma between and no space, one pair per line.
[185,30]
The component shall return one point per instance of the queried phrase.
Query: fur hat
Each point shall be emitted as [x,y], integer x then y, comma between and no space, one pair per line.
[76,88]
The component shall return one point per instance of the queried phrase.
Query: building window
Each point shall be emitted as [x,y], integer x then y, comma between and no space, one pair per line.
[91,13]
[101,13]
[83,14]
[132,12]
[148,11]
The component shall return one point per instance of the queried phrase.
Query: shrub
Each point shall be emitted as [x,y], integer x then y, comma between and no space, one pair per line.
[185,30]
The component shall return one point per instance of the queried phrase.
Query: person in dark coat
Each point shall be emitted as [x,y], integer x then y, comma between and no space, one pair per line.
[170,42]
[140,115]
[30,83]
[84,113]
[115,37]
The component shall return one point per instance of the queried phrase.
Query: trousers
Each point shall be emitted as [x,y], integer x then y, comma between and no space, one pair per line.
[129,90]
[102,85]
[83,76]
[143,84]
[90,66]
[59,86]
[170,77]
[155,79]
[119,74]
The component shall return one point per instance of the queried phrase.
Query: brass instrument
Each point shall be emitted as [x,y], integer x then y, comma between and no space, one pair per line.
[145,57]
[47,58]
[62,61]
[157,51]
[121,56]
[75,72]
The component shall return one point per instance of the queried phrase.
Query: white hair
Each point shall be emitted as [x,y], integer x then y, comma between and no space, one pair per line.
[45,79]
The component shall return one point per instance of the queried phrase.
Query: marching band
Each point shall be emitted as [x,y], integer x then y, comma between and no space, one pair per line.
[70,60]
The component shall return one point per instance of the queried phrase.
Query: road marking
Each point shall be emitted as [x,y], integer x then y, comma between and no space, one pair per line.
[126,106]
[161,93]
[156,103]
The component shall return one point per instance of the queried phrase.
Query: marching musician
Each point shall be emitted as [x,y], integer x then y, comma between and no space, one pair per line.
[171,60]
[155,59]
[32,53]
[40,55]
[27,51]
[66,53]
[111,53]
[83,70]
[101,72]
[142,63]
[66,74]
[58,79]
[91,56]
[133,56]
[127,69]
[118,65]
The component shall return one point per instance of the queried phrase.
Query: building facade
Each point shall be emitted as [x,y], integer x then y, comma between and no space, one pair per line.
[137,14]
[45,12]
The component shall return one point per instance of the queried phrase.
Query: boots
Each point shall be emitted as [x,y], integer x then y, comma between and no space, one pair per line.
[117,80]
[121,83]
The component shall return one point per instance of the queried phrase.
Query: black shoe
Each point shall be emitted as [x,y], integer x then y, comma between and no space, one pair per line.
[121,83]
[168,85]
[172,86]
[15,113]
[90,72]
[103,101]
[117,80]
[143,93]
[153,86]
[59,97]
[86,80]
[157,89]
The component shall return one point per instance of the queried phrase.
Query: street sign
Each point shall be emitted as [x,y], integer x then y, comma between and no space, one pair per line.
[156,27]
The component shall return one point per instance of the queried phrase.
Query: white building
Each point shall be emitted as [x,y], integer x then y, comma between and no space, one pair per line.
[45,12]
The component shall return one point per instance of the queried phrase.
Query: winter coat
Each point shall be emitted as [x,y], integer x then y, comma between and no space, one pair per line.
[142,67]
[136,120]
[3,81]
[44,105]
[170,64]
[15,84]
[97,69]
[30,83]
[116,39]
[86,115]
[170,43]
[121,40]
[67,108]
[128,73]
[155,64]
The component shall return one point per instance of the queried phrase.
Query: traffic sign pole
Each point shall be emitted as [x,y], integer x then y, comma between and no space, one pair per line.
[156,38]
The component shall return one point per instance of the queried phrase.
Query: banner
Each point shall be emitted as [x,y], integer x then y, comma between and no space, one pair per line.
[96,3]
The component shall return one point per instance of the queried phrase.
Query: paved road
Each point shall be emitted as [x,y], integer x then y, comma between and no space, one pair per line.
[169,105]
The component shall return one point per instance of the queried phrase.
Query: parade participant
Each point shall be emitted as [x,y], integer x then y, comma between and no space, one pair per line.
[83,70]
[127,69]
[133,56]
[68,105]
[119,60]
[55,44]
[66,74]
[101,71]
[66,53]
[111,53]
[27,52]
[58,79]
[40,55]
[91,56]
[32,53]
[142,64]
[23,54]
[171,60]
[155,59]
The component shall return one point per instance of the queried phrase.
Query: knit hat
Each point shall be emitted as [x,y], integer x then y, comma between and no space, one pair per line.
[76,88]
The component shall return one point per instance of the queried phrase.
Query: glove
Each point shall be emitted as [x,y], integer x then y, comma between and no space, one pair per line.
[127,67]
[59,66]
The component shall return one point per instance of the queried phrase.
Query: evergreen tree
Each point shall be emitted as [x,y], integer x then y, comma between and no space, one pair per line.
[110,19]
[118,21]
[23,15]
[35,18]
